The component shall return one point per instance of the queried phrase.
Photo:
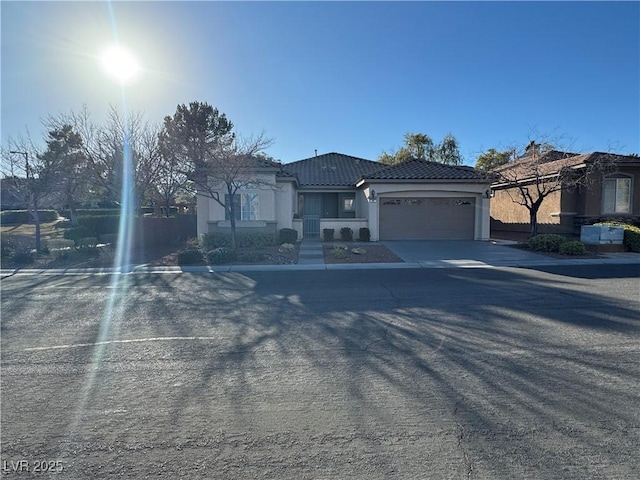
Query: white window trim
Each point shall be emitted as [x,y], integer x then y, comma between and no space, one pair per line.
[617,176]
[256,210]
[242,195]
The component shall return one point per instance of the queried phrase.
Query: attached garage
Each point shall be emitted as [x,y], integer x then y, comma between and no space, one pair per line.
[427,218]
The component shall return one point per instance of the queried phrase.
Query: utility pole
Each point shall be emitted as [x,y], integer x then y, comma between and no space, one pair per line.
[32,196]
[26,161]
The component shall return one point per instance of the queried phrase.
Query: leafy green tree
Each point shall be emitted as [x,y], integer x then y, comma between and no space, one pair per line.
[420,146]
[192,132]
[492,158]
[448,152]
[186,141]
[73,174]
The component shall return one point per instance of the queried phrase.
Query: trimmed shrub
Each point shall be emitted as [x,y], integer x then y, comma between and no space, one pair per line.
[211,241]
[364,234]
[546,242]
[631,237]
[76,234]
[16,217]
[339,252]
[100,224]
[91,212]
[573,247]
[220,256]
[190,256]
[288,235]
[346,234]
[327,234]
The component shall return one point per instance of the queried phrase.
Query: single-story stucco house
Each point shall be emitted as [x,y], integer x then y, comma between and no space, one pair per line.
[415,199]
[613,194]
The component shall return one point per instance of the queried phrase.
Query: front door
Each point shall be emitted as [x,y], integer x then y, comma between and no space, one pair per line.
[311,215]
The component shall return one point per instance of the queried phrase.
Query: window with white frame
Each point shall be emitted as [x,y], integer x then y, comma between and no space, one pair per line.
[249,206]
[616,195]
[245,206]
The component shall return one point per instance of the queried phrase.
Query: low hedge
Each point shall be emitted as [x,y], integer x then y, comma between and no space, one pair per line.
[546,242]
[91,212]
[190,256]
[573,247]
[631,234]
[220,256]
[17,217]
[76,233]
[211,241]
[327,234]
[288,235]
[99,224]
[346,234]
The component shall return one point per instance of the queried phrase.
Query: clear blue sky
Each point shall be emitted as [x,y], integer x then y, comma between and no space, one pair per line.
[344,77]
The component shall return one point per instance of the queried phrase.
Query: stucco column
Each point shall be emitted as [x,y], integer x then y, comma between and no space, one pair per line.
[484,232]
[374,221]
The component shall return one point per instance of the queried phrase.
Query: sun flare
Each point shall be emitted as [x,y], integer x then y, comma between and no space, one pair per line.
[120,63]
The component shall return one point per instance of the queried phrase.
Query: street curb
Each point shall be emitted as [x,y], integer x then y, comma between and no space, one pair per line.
[133,269]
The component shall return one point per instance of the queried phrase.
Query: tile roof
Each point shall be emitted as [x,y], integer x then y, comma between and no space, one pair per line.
[546,158]
[528,168]
[415,169]
[330,170]
[263,162]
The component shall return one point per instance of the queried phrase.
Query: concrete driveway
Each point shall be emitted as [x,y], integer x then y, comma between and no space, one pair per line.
[459,252]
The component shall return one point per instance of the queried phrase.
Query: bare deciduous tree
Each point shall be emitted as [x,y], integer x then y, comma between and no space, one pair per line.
[229,166]
[123,154]
[542,171]
[33,174]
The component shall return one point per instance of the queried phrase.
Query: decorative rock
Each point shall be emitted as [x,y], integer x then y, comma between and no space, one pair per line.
[358,251]
[286,247]
[342,247]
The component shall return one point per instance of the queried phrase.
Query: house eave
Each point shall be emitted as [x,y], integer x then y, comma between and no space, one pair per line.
[323,188]
[424,181]
[523,181]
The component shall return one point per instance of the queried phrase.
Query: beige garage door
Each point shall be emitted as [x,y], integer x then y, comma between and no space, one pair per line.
[425,218]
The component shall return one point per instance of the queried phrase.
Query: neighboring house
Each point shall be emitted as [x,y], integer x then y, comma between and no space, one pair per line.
[611,195]
[415,199]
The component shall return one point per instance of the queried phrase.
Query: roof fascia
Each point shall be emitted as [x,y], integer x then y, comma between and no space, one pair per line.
[424,180]
[346,188]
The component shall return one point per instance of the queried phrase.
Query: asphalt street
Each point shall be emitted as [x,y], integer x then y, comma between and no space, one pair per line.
[417,373]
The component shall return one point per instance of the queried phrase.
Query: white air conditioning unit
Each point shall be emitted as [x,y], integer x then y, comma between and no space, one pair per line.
[601,235]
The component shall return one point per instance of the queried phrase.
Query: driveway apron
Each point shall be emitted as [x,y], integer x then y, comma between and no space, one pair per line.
[460,252]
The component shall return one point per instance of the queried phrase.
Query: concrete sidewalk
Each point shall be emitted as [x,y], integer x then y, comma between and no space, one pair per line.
[416,254]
